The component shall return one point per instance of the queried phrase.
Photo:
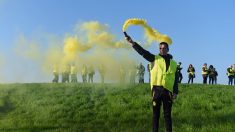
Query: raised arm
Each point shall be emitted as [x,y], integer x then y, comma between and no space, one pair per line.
[146,54]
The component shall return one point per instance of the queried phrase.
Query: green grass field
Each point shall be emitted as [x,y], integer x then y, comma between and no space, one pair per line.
[112,107]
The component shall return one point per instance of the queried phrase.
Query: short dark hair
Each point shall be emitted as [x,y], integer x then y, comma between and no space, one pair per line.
[164,43]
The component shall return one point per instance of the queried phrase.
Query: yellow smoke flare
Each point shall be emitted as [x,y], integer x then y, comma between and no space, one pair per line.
[150,33]
[133,21]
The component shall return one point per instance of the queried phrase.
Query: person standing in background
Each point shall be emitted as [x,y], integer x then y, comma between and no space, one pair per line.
[179,68]
[84,73]
[191,73]
[211,73]
[204,73]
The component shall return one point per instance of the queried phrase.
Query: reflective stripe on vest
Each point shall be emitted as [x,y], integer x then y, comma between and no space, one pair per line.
[205,71]
[73,70]
[231,72]
[191,73]
[159,76]
[84,71]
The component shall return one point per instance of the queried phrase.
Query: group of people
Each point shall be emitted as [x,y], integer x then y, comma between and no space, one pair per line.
[134,71]
[206,72]
[69,74]
[209,72]
[87,71]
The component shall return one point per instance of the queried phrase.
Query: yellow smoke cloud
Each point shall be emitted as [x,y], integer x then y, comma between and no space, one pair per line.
[52,58]
[150,33]
[91,44]
[105,49]
[71,45]
[71,48]
[27,48]
[98,35]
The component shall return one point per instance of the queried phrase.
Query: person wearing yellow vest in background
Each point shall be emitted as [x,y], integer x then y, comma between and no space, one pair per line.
[132,73]
[164,81]
[122,74]
[56,74]
[191,73]
[230,74]
[91,73]
[84,73]
[204,73]
[73,73]
[101,70]
[65,73]
[150,67]
[140,72]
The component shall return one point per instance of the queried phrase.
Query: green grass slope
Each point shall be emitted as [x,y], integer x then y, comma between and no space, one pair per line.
[112,107]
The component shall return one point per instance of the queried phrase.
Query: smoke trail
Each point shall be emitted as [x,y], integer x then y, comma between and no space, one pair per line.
[150,33]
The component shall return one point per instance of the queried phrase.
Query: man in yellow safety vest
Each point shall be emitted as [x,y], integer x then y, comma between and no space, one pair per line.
[164,81]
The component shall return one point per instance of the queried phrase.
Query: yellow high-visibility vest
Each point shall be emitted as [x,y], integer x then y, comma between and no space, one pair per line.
[205,72]
[161,77]
[84,70]
[73,70]
[55,69]
[191,72]
[231,72]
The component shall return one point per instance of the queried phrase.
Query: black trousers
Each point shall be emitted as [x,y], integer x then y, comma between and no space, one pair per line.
[216,80]
[211,80]
[205,79]
[162,96]
[190,78]
[230,80]
[180,77]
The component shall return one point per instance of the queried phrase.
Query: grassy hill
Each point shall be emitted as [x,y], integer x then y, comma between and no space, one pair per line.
[112,107]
